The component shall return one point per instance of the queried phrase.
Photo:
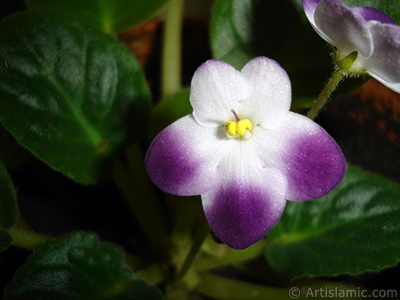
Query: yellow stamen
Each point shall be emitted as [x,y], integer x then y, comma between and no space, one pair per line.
[230,127]
[238,128]
[248,124]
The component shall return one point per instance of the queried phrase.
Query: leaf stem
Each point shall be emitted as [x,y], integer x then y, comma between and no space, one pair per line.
[323,97]
[219,287]
[27,239]
[194,250]
[171,56]
[141,198]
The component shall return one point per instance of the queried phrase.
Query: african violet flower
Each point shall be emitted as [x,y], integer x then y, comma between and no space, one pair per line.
[371,35]
[244,151]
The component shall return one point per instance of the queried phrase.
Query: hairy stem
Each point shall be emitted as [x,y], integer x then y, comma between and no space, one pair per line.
[323,97]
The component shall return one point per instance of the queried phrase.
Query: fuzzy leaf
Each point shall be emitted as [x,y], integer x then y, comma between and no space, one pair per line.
[353,229]
[112,16]
[67,90]
[78,266]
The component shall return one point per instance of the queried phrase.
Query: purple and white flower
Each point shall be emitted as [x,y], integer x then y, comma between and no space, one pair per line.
[372,34]
[243,151]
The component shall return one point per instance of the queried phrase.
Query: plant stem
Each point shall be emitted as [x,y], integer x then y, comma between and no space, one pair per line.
[194,250]
[323,97]
[230,256]
[141,198]
[171,56]
[27,239]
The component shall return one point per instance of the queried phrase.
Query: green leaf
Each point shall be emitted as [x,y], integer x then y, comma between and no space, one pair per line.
[169,110]
[112,16]
[8,200]
[243,29]
[78,266]
[12,155]
[66,91]
[231,32]
[5,240]
[353,229]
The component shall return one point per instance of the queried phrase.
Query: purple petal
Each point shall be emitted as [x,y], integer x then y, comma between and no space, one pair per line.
[241,212]
[313,163]
[373,14]
[302,150]
[181,158]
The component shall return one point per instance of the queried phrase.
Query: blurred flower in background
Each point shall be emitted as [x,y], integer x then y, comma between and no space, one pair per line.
[364,39]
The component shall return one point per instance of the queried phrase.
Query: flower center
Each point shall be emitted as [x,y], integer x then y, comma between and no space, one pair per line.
[238,128]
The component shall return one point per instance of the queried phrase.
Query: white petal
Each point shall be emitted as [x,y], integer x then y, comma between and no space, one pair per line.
[270,92]
[216,89]
[343,27]
[384,63]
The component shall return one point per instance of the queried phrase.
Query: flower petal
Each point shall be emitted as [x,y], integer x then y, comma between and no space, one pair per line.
[343,27]
[216,89]
[249,199]
[241,212]
[182,159]
[314,164]
[311,160]
[309,7]
[270,92]
[384,64]
[373,14]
